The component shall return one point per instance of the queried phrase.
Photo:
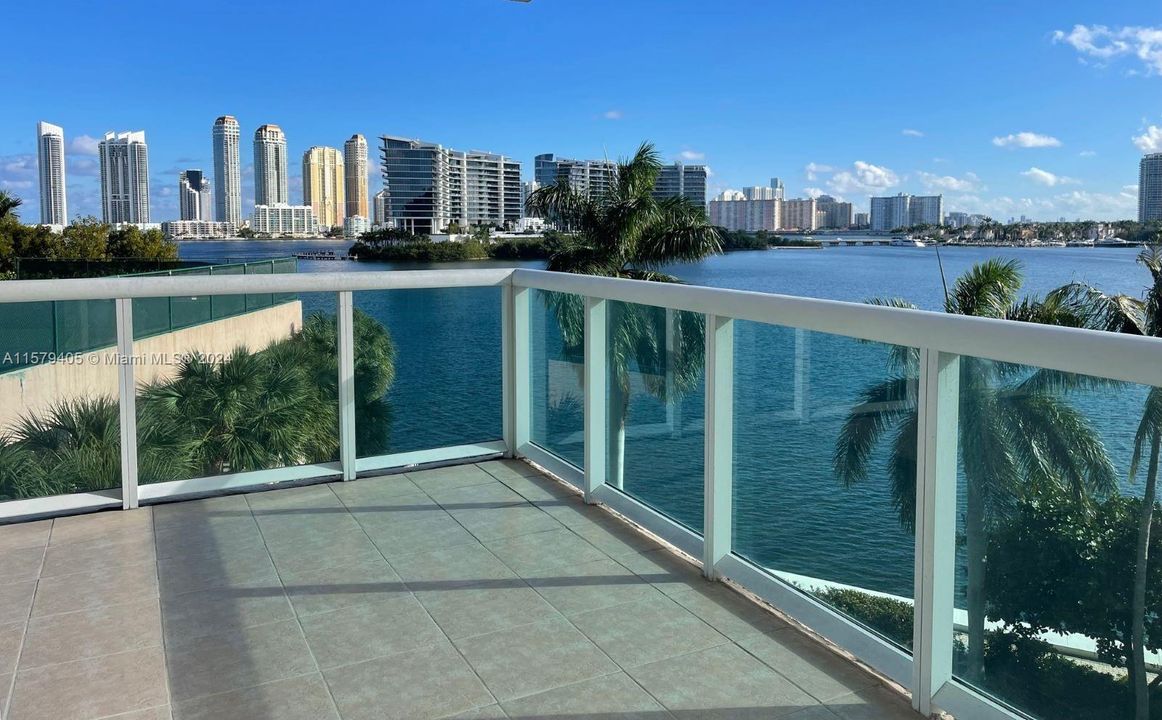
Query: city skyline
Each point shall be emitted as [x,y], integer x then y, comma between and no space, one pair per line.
[1002,137]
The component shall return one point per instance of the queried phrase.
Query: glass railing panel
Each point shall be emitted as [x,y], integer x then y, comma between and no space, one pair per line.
[193,310]
[655,400]
[427,369]
[556,367]
[59,417]
[824,468]
[255,390]
[1053,472]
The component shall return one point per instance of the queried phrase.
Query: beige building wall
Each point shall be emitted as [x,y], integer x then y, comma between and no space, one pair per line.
[33,390]
[323,185]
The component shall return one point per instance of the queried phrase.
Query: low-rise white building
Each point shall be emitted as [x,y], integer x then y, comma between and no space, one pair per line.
[183,229]
[354,226]
[284,221]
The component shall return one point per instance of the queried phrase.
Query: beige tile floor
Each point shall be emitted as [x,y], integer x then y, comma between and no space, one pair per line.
[475,591]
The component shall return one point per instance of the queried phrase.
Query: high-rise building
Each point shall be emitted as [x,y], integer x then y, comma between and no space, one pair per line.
[759,193]
[733,211]
[355,169]
[836,214]
[194,197]
[1150,188]
[323,185]
[379,209]
[591,178]
[678,180]
[428,186]
[227,171]
[777,186]
[526,190]
[270,178]
[926,210]
[50,156]
[124,178]
[800,214]
[861,221]
[897,211]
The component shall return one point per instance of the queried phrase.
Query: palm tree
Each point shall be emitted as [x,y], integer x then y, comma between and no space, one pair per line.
[249,412]
[1016,433]
[1135,316]
[8,205]
[626,232]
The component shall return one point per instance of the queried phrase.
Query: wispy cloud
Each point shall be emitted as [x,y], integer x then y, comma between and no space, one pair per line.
[863,178]
[911,133]
[1026,140]
[1104,44]
[83,145]
[813,170]
[1048,179]
[692,155]
[969,183]
[1150,140]
[613,115]
[1086,153]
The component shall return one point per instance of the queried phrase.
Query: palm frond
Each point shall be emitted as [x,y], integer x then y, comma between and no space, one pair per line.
[988,289]
[880,407]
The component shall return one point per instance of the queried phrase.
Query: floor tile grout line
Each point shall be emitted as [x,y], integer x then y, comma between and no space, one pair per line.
[423,607]
[248,687]
[161,618]
[7,705]
[294,612]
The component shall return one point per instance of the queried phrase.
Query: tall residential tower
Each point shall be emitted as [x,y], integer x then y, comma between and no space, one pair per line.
[323,185]
[270,179]
[124,178]
[50,149]
[194,201]
[1150,188]
[355,176]
[227,171]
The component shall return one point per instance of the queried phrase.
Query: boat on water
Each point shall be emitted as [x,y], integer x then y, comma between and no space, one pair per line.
[1080,243]
[907,241]
[1114,242]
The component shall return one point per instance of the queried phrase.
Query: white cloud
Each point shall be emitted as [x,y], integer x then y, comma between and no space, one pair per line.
[814,192]
[911,133]
[1026,140]
[691,155]
[814,169]
[83,165]
[1105,44]
[83,145]
[1086,153]
[863,178]
[1150,140]
[1098,206]
[613,115]
[969,183]
[1048,179]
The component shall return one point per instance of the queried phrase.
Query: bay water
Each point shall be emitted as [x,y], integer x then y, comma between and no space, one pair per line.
[793,390]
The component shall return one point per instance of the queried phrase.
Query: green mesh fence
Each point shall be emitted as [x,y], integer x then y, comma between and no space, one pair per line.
[40,332]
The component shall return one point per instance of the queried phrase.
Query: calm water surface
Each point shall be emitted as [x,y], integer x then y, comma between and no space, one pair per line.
[793,391]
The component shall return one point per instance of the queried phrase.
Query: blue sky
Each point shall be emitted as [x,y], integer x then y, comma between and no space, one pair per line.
[1009,108]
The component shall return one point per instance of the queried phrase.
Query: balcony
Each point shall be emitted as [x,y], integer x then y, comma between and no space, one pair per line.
[484,589]
[603,531]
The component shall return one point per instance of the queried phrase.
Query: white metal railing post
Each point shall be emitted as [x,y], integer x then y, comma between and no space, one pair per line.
[719,448]
[346,362]
[596,395]
[936,463]
[515,326]
[127,401]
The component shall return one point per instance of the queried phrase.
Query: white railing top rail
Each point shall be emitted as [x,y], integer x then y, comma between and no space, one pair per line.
[195,285]
[1108,355]
[1089,352]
